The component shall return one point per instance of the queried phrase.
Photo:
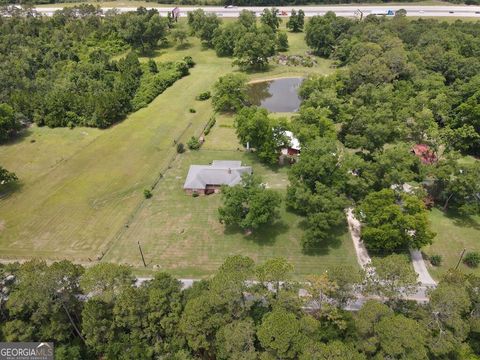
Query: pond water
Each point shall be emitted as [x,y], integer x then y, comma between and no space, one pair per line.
[278,95]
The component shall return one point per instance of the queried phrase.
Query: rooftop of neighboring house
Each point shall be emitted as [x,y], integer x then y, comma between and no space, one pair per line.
[426,155]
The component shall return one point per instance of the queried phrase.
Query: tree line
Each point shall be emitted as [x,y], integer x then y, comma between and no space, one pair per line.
[248,43]
[98,312]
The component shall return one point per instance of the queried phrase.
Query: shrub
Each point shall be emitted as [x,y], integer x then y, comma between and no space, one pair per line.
[180,148]
[203,96]
[193,143]
[182,68]
[195,194]
[209,126]
[153,84]
[189,61]
[147,194]
[436,260]
[472,259]
[282,42]
[192,110]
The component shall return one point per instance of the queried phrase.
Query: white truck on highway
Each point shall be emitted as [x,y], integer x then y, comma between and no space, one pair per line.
[382,12]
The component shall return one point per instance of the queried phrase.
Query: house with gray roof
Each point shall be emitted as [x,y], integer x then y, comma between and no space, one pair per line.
[207,179]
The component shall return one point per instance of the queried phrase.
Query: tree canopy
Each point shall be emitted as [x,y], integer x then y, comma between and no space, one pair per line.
[249,204]
[228,317]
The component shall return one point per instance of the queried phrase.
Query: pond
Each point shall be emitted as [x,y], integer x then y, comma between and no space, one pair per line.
[278,95]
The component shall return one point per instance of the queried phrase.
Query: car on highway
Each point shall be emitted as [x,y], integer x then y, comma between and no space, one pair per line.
[229,6]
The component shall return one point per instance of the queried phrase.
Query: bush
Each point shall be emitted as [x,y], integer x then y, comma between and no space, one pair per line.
[209,126]
[203,96]
[147,194]
[436,260]
[189,61]
[192,110]
[182,68]
[282,42]
[195,194]
[193,143]
[180,148]
[153,84]
[472,259]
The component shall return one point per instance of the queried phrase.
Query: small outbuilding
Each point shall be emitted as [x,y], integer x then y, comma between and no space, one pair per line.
[207,179]
[424,153]
[293,148]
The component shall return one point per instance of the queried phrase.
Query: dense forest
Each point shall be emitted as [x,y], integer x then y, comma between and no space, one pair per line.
[60,70]
[392,133]
[97,312]
[407,108]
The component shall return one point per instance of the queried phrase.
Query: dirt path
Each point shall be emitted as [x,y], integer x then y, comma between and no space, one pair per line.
[354,227]
[421,269]
[364,259]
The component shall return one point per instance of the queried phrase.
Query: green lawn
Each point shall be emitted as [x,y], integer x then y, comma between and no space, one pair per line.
[454,233]
[182,234]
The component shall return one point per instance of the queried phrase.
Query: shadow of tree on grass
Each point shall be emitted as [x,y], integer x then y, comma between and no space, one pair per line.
[461,220]
[334,241]
[9,189]
[264,236]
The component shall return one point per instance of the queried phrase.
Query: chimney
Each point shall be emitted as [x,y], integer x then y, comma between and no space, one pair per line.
[229,170]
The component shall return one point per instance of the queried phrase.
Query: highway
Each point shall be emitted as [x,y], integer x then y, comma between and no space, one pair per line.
[340,10]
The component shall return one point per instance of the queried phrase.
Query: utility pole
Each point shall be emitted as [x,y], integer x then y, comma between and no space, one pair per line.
[459,260]
[141,253]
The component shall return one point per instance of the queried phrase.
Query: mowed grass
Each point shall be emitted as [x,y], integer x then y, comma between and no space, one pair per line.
[80,189]
[454,233]
[182,234]
[73,208]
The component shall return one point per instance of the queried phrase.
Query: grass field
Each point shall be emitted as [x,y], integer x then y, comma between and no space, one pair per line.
[182,233]
[79,188]
[75,196]
[454,233]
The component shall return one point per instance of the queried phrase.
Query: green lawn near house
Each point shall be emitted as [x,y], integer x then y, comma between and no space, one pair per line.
[181,233]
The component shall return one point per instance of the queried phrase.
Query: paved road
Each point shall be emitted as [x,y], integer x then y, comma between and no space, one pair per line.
[345,10]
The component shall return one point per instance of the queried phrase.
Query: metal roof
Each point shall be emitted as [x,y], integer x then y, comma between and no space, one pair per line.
[294,143]
[220,172]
